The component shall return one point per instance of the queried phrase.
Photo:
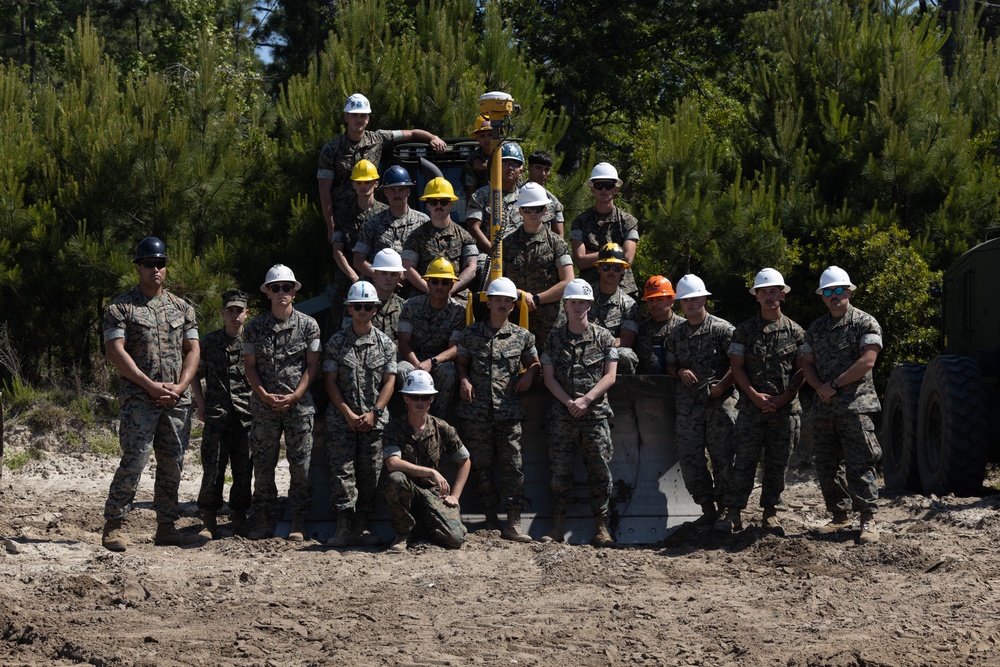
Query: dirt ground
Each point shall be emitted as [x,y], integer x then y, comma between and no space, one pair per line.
[927,594]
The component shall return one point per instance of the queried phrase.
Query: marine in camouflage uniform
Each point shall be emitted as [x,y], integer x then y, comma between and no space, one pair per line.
[427,242]
[432,331]
[385,231]
[650,343]
[481,211]
[615,312]
[595,230]
[386,319]
[345,237]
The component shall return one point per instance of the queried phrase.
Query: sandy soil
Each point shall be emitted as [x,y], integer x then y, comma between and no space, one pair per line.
[927,594]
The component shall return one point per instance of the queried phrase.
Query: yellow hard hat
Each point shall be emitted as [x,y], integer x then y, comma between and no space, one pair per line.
[364,171]
[482,123]
[439,188]
[441,268]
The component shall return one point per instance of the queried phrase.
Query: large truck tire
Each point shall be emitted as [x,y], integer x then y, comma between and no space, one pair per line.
[952,427]
[899,427]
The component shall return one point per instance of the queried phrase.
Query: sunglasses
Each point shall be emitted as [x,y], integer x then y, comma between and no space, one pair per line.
[420,398]
[604,185]
[533,209]
[367,307]
[439,281]
[836,290]
[277,289]
[437,202]
[153,264]
[612,268]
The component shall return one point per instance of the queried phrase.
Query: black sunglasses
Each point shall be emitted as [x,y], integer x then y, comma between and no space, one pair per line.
[277,289]
[437,202]
[533,209]
[439,281]
[420,398]
[154,264]
[604,185]
[367,307]
[612,268]
[836,290]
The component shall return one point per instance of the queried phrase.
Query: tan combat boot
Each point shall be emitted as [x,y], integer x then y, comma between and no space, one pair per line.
[362,535]
[343,535]
[841,521]
[112,538]
[399,544]
[167,535]
[869,532]
[262,528]
[298,531]
[513,530]
[556,533]
[210,526]
[602,538]
[770,523]
[730,523]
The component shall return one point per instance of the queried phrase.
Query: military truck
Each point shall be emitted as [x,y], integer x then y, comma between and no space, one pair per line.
[941,420]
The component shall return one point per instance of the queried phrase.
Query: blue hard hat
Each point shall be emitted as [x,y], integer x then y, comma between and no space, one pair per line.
[396,175]
[511,151]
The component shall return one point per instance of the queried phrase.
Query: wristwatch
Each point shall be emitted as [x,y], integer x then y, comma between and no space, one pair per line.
[377,411]
[434,362]
[537,301]
[834,384]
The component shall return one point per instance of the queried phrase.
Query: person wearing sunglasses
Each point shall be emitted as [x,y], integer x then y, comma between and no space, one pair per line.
[492,354]
[429,327]
[602,224]
[359,373]
[388,269]
[764,355]
[415,490]
[151,338]
[697,355]
[840,351]
[281,350]
[650,342]
[538,261]
[478,218]
[539,170]
[440,237]
[615,310]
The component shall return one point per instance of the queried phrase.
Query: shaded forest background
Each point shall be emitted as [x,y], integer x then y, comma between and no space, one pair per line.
[791,134]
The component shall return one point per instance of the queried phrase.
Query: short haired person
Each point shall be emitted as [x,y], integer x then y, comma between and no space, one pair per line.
[840,351]
[388,269]
[415,489]
[359,373]
[579,365]
[764,355]
[539,170]
[615,310]
[281,349]
[390,228]
[338,157]
[604,223]
[650,342]
[492,354]
[538,261]
[151,338]
[476,170]
[479,215]
[705,399]
[224,407]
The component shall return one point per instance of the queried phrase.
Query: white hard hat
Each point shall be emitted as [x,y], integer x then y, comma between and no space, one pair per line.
[362,292]
[769,278]
[419,383]
[691,286]
[502,287]
[532,194]
[388,260]
[578,288]
[357,103]
[603,171]
[834,276]
[279,273]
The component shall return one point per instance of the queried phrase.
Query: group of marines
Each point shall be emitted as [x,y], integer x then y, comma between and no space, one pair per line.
[736,399]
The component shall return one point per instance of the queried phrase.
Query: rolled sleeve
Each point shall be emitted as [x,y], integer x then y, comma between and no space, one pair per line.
[191,334]
[612,354]
[576,235]
[871,339]
[410,255]
[388,451]
[248,348]
[470,251]
[362,248]
[630,325]
[737,350]
[324,174]
[404,326]
[112,334]
[460,455]
[330,366]
[564,260]
[632,235]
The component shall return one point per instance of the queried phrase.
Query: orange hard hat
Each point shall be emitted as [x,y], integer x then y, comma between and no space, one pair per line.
[658,286]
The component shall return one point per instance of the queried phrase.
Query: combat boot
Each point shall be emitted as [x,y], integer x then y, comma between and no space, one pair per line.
[239,521]
[362,535]
[869,532]
[513,530]
[112,538]
[399,544]
[298,530]
[262,527]
[770,523]
[167,535]
[731,523]
[841,521]
[709,514]
[602,538]
[210,526]
[556,532]
[492,519]
[343,535]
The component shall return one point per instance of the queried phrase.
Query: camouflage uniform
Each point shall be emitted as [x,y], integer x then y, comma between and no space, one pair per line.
[384,231]
[356,458]
[348,229]
[431,331]
[386,319]
[769,350]
[704,422]
[416,499]
[427,242]
[338,157]
[553,211]
[533,263]
[472,177]
[154,330]
[596,229]
[280,348]
[842,431]
[650,344]
[227,421]
[491,423]
[615,312]
[479,209]
[578,363]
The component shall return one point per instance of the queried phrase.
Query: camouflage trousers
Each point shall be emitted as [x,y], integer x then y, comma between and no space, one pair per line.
[145,428]
[225,441]
[265,446]
[772,436]
[410,503]
[628,361]
[706,427]
[592,438]
[495,445]
[846,452]
[355,463]
[445,379]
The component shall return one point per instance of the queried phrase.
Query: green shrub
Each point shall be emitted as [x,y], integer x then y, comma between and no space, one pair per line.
[17,461]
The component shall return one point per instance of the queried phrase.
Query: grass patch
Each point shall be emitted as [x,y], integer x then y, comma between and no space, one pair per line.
[18,395]
[46,416]
[17,461]
[104,443]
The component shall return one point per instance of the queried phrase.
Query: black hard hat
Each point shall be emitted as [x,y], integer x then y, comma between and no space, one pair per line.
[150,247]
[611,253]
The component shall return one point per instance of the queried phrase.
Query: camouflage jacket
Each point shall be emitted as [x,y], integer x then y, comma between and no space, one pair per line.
[494,358]
[338,157]
[384,231]
[280,349]
[436,439]
[386,319]
[427,242]
[154,330]
[360,365]
[652,335]
[577,361]
[554,210]
[704,350]
[836,345]
[472,177]
[480,209]
[769,350]
[532,261]
[349,225]
[227,391]
[615,312]
[431,329]
[594,230]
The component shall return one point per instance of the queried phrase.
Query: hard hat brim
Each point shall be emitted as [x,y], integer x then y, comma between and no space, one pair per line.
[443,195]
[425,392]
[590,181]
[613,260]
[653,295]
[298,285]
[692,295]
[785,288]
[439,275]
[850,286]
